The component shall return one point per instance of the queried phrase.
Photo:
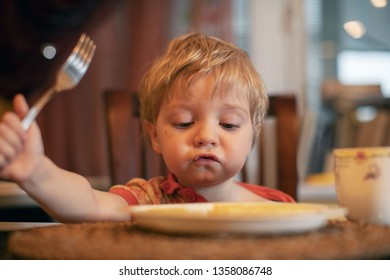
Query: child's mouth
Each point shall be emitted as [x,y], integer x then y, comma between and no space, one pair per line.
[205,158]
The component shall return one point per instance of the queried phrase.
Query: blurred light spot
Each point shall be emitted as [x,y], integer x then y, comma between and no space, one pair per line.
[355,29]
[366,113]
[379,3]
[49,51]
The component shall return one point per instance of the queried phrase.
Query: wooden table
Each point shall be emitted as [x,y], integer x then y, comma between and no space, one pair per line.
[119,240]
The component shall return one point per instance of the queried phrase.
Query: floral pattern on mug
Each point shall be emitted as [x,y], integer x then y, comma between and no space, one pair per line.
[373,172]
[360,157]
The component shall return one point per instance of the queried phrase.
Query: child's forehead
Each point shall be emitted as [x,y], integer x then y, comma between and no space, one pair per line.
[202,98]
[205,86]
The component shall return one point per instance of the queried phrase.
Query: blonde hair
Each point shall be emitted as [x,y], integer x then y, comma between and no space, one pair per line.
[195,53]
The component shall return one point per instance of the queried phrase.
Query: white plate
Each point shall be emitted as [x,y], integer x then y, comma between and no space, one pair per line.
[256,218]
[13,226]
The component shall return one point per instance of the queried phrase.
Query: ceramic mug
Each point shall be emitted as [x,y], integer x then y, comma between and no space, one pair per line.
[362,179]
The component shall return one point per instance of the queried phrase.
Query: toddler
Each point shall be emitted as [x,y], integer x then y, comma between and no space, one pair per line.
[202,106]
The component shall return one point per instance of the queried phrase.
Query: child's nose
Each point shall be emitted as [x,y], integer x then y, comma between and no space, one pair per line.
[206,135]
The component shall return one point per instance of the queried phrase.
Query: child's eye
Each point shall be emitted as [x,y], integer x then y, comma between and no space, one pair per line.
[229,126]
[182,125]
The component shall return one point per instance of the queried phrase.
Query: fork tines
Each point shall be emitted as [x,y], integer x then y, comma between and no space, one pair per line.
[82,53]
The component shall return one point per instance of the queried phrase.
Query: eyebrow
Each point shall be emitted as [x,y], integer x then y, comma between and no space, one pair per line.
[188,105]
[235,107]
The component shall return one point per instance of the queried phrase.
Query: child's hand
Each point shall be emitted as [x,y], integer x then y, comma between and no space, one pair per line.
[20,151]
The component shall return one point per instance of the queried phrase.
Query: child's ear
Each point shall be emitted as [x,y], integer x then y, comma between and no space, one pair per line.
[150,128]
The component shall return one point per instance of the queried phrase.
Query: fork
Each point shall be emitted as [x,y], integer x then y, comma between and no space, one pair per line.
[68,76]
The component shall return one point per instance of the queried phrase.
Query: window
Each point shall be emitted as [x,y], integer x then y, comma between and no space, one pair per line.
[365,67]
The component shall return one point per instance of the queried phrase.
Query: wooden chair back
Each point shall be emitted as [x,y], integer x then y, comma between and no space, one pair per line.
[130,156]
[287,132]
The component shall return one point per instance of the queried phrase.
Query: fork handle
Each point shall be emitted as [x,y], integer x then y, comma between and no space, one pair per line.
[34,111]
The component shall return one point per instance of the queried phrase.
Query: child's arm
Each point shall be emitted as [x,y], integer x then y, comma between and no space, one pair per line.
[64,195]
[69,197]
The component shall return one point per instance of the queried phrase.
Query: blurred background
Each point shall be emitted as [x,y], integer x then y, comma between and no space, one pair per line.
[307,47]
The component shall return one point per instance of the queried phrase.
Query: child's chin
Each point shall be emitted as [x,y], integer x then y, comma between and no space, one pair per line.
[206,180]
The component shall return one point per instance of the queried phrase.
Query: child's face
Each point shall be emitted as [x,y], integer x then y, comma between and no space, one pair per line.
[203,137]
